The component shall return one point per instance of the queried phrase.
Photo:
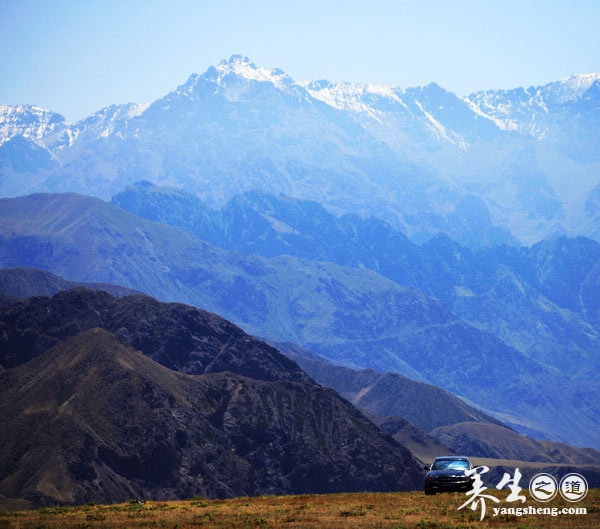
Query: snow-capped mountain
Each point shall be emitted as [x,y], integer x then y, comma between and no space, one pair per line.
[530,110]
[428,115]
[227,73]
[482,168]
[31,122]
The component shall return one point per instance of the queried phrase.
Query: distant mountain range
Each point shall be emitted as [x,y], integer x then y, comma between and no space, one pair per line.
[408,409]
[493,167]
[404,246]
[351,316]
[538,283]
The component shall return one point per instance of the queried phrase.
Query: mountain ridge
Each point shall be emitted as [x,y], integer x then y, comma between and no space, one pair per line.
[343,314]
[561,91]
[414,157]
[92,419]
[543,281]
[28,282]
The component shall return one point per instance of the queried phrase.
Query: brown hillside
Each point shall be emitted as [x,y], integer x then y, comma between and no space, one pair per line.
[94,420]
[493,441]
[391,394]
[178,336]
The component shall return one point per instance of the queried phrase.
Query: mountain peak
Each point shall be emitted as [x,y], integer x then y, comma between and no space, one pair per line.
[243,67]
[580,81]
[571,88]
[237,59]
[29,121]
[229,74]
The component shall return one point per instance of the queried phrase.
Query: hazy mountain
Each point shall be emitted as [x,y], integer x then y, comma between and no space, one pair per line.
[272,226]
[23,165]
[350,316]
[32,123]
[477,168]
[438,422]
[530,154]
[424,447]
[93,419]
[29,282]
[555,113]
[495,441]
[391,394]
[554,283]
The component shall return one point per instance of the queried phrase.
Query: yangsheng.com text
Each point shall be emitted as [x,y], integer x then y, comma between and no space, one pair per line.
[528,511]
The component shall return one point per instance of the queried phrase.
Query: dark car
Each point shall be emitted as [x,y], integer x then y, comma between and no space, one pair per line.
[447,474]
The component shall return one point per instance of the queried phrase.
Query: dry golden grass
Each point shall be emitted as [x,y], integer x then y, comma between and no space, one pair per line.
[362,510]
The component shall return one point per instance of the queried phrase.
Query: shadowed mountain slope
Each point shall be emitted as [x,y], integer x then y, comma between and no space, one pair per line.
[92,419]
[177,336]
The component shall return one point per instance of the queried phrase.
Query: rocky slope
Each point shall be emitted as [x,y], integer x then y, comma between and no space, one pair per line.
[391,394]
[495,441]
[92,417]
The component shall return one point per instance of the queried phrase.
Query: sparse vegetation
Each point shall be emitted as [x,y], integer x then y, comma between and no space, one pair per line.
[406,510]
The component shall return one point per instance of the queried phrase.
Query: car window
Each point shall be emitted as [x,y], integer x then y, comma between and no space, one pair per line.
[450,464]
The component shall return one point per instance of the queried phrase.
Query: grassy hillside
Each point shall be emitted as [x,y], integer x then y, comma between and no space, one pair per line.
[365,510]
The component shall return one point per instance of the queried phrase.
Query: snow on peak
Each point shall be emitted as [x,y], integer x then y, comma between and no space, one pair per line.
[106,120]
[227,76]
[570,88]
[30,121]
[352,96]
[244,67]
[527,109]
[237,58]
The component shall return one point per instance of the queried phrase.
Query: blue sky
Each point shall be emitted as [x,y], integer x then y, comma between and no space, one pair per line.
[76,56]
